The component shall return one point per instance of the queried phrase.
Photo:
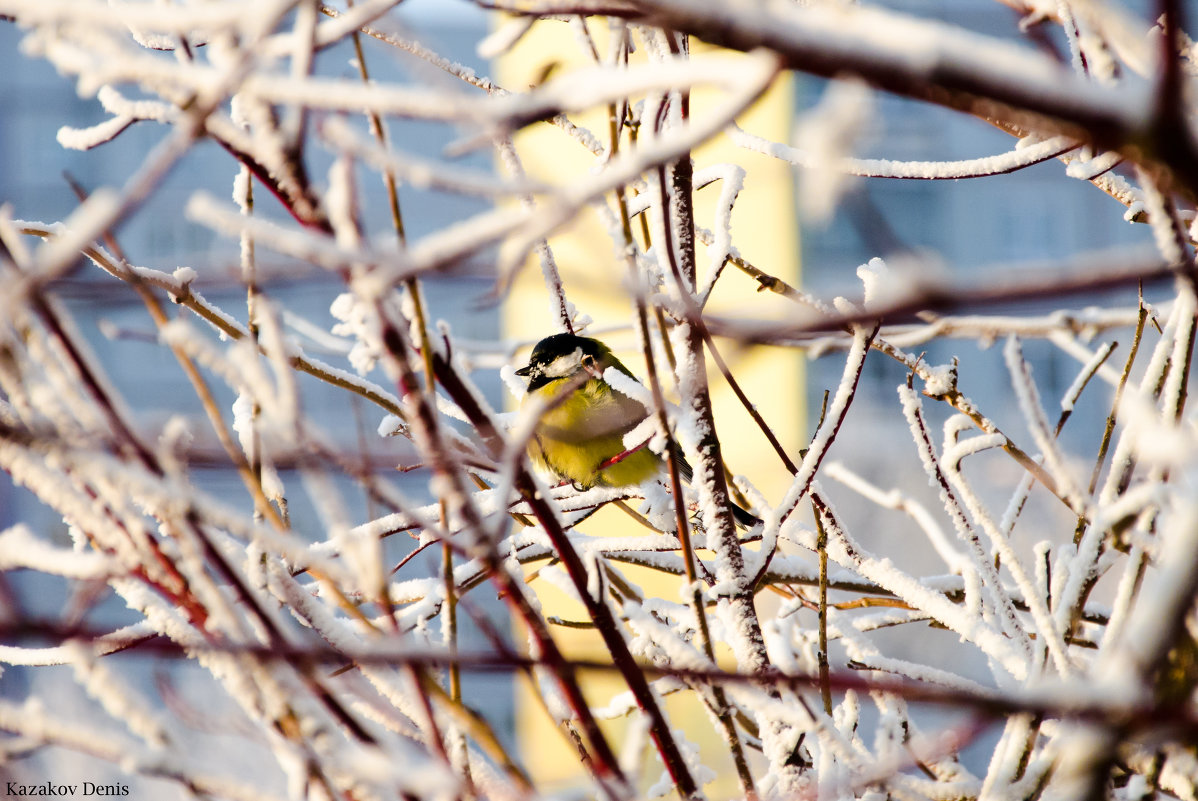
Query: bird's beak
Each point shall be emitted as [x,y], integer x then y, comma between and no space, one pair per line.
[525,371]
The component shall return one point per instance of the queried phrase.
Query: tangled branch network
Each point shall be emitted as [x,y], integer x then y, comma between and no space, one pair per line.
[986,606]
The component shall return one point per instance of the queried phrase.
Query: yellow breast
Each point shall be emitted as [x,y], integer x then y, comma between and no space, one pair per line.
[575,438]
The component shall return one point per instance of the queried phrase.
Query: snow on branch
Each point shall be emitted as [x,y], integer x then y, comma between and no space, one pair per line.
[1022,156]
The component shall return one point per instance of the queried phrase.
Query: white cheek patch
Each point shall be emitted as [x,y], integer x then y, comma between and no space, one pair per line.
[564,365]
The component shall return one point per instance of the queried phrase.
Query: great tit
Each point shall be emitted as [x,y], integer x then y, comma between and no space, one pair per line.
[580,439]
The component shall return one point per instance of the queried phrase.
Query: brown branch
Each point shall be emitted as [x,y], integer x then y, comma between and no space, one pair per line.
[1020,286]
[599,612]
[1135,715]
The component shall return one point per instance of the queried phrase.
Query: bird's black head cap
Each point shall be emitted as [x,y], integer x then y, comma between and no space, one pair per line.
[549,350]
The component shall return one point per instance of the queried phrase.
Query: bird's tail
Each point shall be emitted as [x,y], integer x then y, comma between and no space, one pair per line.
[744,517]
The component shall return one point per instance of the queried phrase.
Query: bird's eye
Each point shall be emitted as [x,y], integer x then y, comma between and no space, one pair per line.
[588,361]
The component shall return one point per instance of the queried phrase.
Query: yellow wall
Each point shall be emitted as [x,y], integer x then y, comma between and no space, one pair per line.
[764,230]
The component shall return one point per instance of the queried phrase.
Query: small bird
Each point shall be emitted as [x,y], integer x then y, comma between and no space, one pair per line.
[580,439]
